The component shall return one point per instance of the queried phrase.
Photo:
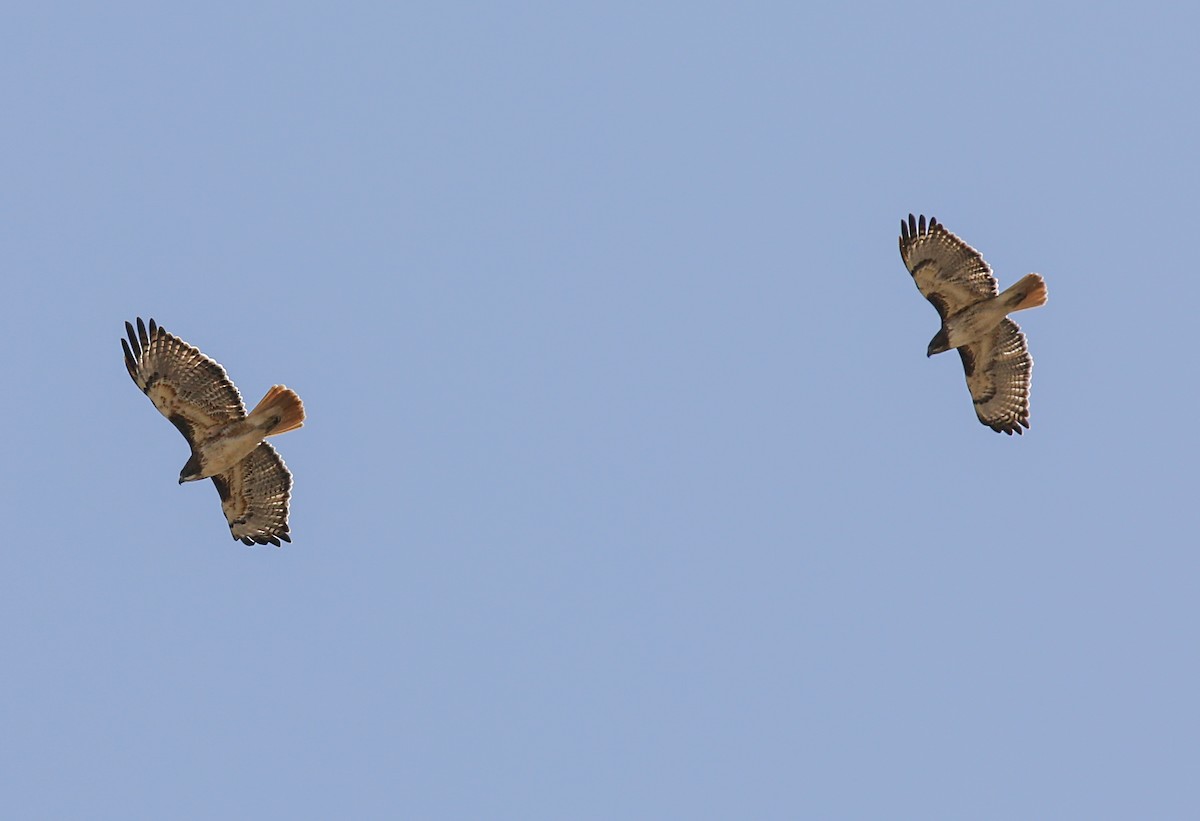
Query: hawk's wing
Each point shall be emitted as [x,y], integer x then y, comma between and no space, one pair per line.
[187,387]
[948,272]
[999,370]
[254,495]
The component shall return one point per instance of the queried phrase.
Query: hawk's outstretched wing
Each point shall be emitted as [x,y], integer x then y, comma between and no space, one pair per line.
[254,496]
[948,272]
[999,372]
[187,387]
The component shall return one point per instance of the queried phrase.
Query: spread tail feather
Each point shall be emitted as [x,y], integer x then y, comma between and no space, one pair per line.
[279,411]
[1028,292]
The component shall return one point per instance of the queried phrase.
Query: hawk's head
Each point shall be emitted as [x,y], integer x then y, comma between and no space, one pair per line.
[191,471]
[939,344]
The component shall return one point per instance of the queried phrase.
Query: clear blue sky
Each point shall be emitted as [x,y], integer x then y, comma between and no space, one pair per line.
[627,490]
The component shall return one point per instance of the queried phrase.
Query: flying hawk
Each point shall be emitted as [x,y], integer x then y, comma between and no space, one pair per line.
[953,276]
[198,397]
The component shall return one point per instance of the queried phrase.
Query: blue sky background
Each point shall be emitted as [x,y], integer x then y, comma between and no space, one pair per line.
[627,490]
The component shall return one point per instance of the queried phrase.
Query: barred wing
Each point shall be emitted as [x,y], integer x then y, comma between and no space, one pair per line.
[999,372]
[947,271]
[254,495]
[190,389]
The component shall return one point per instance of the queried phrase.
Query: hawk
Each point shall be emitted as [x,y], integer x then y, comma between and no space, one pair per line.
[953,276]
[197,396]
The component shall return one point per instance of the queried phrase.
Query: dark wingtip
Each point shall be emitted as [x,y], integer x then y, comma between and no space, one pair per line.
[917,226]
[1017,426]
[130,362]
[285,537]
[153,328]
[145,340]
[133,340]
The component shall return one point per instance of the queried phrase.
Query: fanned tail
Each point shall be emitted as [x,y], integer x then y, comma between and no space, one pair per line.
[279,411]
[1028,292]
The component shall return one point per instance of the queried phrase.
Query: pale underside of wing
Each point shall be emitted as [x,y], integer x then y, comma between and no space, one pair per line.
[999,372]
[949,273]
[254,496]
[190,389]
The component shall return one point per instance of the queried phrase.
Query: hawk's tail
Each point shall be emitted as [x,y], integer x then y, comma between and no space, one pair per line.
[279,411]
[1028,292]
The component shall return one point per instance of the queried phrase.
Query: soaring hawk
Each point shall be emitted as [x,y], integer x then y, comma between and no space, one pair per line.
[198,397]
[953,276]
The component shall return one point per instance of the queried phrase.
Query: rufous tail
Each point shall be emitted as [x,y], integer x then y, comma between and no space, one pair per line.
[1028,292]
[279,411]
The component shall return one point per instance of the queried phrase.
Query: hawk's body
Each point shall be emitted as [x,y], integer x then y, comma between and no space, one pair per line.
[954,278]
[197,396]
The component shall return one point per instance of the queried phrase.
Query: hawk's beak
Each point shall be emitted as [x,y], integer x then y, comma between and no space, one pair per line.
[181,480]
